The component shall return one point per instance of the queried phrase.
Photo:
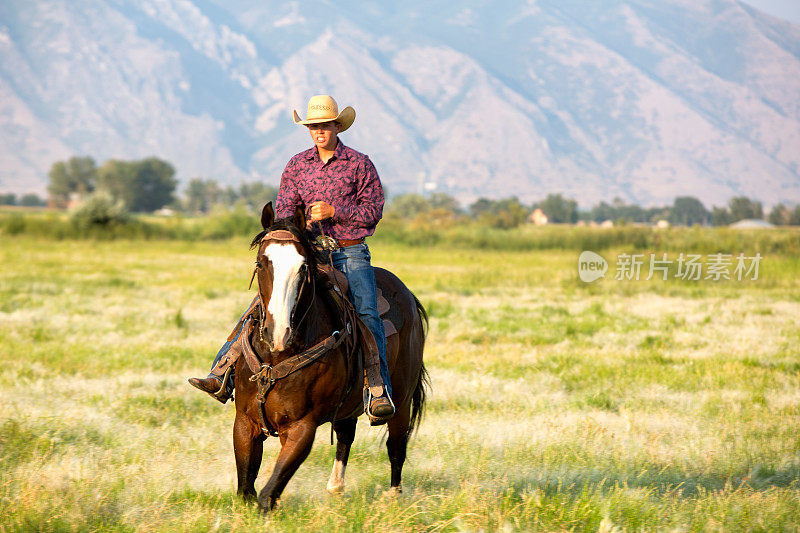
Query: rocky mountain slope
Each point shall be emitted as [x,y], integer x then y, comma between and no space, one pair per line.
[640,99]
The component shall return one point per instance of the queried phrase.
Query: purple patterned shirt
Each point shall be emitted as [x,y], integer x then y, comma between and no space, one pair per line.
[348,181]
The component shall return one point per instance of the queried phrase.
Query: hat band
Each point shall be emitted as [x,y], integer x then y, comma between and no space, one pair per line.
[318,116]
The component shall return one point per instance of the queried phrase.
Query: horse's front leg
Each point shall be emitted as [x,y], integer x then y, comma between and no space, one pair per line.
[296,442]
[248,446]
[345,433]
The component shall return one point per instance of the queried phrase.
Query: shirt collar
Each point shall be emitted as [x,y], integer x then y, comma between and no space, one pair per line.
[341,151]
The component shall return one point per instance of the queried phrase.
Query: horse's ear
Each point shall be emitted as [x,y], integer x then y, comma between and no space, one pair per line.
[299,218]
[267,216]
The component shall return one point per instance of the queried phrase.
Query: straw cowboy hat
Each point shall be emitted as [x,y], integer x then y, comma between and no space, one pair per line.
[323,108]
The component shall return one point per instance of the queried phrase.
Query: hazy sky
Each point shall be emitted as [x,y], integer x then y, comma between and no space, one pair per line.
[786,9]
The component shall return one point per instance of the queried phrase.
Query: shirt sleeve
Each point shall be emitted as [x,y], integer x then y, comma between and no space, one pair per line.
[289,197]
[367,209]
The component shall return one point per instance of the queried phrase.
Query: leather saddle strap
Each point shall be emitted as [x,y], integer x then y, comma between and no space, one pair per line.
[305,358]
[249,354]
[247,314]
[372,368]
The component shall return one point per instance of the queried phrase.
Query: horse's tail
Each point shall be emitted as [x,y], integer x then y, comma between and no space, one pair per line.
[424,381]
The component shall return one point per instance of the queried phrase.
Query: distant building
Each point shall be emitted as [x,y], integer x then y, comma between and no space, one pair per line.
[607,224]
[751,223]
[538,217]
[662,224]
[75,199]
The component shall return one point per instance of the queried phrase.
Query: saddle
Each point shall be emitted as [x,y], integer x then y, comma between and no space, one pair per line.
[338,282]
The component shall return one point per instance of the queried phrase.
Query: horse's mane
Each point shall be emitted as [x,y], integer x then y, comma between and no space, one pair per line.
[302,237]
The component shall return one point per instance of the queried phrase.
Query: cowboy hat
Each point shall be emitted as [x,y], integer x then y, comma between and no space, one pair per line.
[323,108]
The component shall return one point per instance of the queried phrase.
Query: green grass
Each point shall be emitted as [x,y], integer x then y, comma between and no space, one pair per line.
[556,404]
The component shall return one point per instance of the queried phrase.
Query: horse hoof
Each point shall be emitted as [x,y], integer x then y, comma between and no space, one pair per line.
[335,489]
[249,497]
[268,506]
[393,492]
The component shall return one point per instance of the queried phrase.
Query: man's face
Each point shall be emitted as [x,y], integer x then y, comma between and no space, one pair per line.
[324,134]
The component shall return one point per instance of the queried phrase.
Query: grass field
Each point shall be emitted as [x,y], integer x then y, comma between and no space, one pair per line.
[556,404]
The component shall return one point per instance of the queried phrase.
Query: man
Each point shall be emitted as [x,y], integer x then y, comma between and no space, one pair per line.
[341,193]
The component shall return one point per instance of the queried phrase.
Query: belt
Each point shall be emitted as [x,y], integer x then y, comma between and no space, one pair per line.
[349,242]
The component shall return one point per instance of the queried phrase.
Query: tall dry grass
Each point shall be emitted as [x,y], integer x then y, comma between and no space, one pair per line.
[556,405]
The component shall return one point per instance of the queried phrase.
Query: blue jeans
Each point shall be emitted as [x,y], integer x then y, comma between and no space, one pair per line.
[354,262]
[222,352]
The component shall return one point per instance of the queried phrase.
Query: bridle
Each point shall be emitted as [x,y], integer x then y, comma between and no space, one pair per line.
[306,277]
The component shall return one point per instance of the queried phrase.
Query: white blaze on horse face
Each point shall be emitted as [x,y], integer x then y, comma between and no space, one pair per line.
[286,263]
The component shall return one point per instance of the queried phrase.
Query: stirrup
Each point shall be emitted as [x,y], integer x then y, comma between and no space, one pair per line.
[368,397]
[224,394]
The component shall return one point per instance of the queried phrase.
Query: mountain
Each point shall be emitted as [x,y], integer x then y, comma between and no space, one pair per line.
[639,99]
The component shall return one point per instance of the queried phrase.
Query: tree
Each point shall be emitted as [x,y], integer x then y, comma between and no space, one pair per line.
[32,200]
[688,211]
[794,220]
[505,213]
[742,207]
[444,202]
[155,179]
[559,209]
[510,213]
[256,194]
[116,178]
[602,212]
[480,207]
[782,215]
[8,199]
[619,210]
[408,206]
[76,176]
[143,186]
[720,216]
[201,195]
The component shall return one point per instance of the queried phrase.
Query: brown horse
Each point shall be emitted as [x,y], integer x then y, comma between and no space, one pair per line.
[310,374]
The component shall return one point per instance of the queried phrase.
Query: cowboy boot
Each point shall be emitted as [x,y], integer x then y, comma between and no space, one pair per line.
[219,383]
[377,401]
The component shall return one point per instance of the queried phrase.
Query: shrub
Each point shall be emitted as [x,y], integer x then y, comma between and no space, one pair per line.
[13,225]
[224,223]
[99,210]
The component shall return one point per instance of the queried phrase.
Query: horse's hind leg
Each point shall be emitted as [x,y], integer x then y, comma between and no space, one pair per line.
[345,433]
[248,446]
[396,445]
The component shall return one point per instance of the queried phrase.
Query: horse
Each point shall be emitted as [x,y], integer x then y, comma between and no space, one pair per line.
[309,373]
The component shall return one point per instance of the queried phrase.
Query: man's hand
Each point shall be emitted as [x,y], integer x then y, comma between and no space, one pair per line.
[320,211]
